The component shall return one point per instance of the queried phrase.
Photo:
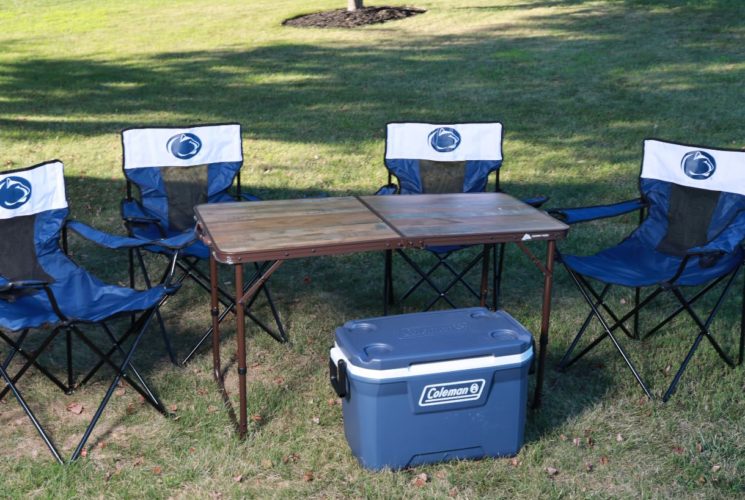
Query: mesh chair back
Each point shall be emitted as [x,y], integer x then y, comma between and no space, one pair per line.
[175,169]
[694,194]
[437,158]
[33,209]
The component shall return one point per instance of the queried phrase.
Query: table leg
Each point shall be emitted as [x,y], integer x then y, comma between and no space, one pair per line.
[241,354]
[214,311]
[484,275]
[545,316]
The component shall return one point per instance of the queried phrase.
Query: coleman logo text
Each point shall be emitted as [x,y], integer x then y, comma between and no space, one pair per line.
[452,392]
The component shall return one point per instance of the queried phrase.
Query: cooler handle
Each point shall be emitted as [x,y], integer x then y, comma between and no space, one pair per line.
[338,377]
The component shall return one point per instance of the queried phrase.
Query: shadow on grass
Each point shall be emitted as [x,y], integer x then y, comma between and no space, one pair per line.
[554,87]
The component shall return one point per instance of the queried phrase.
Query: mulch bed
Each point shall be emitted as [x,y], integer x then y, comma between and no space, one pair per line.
[341,18]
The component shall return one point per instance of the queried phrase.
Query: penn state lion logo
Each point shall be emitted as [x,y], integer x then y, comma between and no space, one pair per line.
[184,146]
[444,139]
[14,192]
[698,165]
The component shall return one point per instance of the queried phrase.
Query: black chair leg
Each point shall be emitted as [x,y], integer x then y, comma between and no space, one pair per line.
[42,433]
[141,325]
[161,323]
[609,333]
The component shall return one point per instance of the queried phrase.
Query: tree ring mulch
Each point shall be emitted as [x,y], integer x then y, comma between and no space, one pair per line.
[342,18]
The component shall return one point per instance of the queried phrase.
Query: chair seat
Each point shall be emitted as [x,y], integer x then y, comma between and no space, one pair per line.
[81,297]
[634,263]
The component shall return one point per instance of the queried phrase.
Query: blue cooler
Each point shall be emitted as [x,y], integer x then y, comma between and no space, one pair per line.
[427,387]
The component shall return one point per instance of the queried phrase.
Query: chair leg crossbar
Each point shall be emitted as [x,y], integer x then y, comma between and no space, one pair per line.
[611,322]
[188,267]
[456,277]
[123,370]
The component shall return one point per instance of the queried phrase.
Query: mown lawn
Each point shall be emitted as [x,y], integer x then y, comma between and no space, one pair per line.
[577,84]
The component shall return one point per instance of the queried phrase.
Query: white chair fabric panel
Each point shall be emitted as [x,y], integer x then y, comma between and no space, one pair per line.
[182,147]
[441,142]
[693,166]
[29,192]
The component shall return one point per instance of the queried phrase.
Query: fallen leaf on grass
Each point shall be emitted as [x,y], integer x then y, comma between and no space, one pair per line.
[308,476]
[157,470]
[441,474]
[619,438]
[120,392]
[131,408]
[138,461]
[715,468]
[552,471]
[576,441]
[420,480]
[332,401]
[256,418]
[701,480]
[238,478]
[279,380]
[75,408]
[202,392]
[211,409]
[316,420]
[562,437]
[699,447]
[173,408]
[604,460]
[588,467]
[590,442]
[453,493]
[514,462]
[84,453]
[292,457]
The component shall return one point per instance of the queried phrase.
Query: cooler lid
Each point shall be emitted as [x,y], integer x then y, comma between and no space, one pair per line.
[399,341]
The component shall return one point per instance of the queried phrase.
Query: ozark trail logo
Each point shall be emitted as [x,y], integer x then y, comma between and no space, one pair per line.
[698,165]
[184,146]
[452,392]
[444,139]
[14,192]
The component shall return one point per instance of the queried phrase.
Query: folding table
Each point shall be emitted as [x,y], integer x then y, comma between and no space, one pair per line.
[275,231]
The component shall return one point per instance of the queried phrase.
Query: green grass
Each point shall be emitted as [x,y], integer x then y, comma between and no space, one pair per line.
[578,86]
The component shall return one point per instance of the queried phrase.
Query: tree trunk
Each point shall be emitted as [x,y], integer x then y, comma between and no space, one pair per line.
[353,5]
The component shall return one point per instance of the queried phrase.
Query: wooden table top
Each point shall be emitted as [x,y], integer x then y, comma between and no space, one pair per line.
[285,229]
[440,219]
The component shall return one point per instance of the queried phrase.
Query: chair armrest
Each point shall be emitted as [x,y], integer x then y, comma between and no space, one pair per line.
[584,214]
[7,286]
[727,241]
[117,242]
[536,201]
[391,188]
[247,197]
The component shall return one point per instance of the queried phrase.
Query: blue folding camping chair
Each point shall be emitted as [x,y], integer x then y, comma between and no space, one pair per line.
[690,237]
[173,170]
[444,158]
[43,291]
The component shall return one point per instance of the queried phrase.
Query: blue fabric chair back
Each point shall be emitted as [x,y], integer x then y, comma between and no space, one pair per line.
[178,168]
[473,149]
[695,195]
[33,208]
